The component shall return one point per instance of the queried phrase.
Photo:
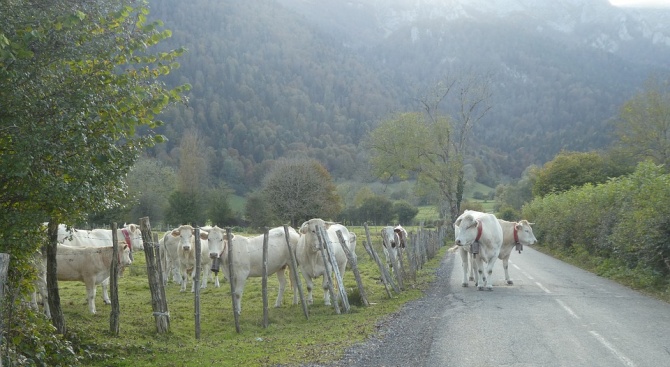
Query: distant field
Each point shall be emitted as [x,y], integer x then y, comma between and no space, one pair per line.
[426,213]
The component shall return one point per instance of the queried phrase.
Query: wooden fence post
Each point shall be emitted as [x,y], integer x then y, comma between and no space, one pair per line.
[294,273]
[114,284]
[264,281]
[386,277]
[196,282]
[354,268]
[328,269]
[336,270]
[158,299]
[4,268]
[231,277]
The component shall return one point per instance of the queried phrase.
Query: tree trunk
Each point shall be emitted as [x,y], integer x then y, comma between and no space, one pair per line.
[57,318]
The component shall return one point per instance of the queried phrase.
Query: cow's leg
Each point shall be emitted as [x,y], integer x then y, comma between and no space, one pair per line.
[184,279]
[90,294]
[239,290]
[205,276]
[505,262]
[480,272]
[309,284]
[281,277]
[105,292]
[488,271]
[326,292]
[464,262]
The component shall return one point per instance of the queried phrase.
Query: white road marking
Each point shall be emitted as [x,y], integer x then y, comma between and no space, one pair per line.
[568,309]
[609,346]
[542,287]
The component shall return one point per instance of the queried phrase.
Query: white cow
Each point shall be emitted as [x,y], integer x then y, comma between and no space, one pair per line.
[169,257]
[394,240]
[391,244]
[181,241]
[248,258]
[514,233]
[130,236]
[309,258]
[480,234]
[90,265]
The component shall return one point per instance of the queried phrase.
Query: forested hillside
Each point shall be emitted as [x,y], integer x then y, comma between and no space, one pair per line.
[266,85]
[269,82]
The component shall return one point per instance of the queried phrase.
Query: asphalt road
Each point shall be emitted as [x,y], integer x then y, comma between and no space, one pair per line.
[554,315]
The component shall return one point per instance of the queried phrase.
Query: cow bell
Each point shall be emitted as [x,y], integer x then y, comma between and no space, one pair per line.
[519,247]
[215,265]
[474,248]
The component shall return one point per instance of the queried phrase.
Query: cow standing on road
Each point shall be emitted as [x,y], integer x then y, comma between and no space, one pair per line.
[481,235]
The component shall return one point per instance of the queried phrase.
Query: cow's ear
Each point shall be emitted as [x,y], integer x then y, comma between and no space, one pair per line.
[458,222]
[204,235]
[175,232]
[132,227]
[303,228]
[518,226]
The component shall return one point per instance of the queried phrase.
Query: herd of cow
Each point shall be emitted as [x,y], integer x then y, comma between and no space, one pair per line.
[86,256]
[481,239]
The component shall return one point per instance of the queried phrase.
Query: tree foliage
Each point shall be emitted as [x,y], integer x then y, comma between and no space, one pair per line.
[80,94]
[574,169]
[300,189]
[617,227]
[643,127]
[405,212]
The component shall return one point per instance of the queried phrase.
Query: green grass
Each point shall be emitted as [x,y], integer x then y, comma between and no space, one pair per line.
[289,340]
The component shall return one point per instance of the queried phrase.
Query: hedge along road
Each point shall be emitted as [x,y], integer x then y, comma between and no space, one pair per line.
[554,315]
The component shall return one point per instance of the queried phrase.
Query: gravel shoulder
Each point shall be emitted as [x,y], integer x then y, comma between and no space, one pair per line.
[404,338]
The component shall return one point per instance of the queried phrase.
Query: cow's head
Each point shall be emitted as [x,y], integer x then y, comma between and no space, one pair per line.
[134,236]
[467,230]
[524,233]
[125,259]
[309,230]
[185,234]
[402,235]
[218,246]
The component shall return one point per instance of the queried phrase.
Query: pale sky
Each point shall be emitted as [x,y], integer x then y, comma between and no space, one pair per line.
[642,3]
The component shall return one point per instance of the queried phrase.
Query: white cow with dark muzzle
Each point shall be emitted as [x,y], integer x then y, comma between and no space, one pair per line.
[248,258]
[481,235]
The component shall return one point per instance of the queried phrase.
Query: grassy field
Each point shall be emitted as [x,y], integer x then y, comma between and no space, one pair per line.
[290,338]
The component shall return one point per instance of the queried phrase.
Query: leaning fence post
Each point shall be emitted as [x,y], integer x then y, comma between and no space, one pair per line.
[354,268]
[336,270]
[294,273]
[158,300]
[327,272]
[386,277]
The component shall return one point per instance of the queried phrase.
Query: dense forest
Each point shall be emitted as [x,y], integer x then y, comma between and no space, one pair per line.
[268,82]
